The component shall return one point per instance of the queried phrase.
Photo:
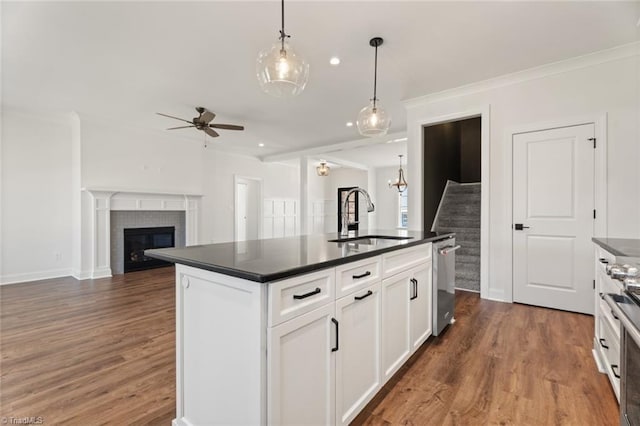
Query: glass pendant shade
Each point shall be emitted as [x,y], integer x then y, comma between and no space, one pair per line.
[373,120]
[281,72]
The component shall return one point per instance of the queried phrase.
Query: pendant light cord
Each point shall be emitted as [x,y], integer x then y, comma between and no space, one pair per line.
[283,35]
[375,78]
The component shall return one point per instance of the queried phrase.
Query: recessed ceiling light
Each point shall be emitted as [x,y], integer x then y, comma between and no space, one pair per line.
[334,60]
[349,123]
[260,144]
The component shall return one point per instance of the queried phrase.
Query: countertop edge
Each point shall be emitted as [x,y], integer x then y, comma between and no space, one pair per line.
[280,275]
[600,241]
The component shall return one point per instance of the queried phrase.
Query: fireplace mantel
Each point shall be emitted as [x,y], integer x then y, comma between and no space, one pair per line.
[104,200]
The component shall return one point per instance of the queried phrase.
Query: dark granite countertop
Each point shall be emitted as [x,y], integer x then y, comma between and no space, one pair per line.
[278,258]
[624,247]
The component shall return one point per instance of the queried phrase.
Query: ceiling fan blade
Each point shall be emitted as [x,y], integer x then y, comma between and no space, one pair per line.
[227,126]
[171,116]
[210,132]
[180,127]
[207,116]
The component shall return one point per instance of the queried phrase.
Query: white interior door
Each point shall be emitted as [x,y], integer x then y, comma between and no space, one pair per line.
[553,201]
[242,191]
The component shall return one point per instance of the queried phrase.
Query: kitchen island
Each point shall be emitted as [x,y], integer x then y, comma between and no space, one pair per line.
[299,330]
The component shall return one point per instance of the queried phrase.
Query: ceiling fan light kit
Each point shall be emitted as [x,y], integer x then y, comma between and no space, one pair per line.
[373,120]
[280,70]
[400,184]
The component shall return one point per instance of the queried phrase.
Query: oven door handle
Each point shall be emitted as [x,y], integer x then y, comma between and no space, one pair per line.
[633,331]
[448,249]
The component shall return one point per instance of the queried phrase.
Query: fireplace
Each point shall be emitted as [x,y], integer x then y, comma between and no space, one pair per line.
[137,240]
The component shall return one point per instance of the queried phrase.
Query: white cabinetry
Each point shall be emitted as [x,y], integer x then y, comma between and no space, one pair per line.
[358,376]
[420,305]
[607,326]
[301,369]
[406,315]
[396,332]
[312,349]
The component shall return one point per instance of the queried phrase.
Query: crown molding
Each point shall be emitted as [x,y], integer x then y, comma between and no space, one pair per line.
[554,68]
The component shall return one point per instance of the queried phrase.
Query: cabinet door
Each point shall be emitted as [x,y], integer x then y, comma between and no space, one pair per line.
[301,369]
[420,306]
[358,357]
[396,344]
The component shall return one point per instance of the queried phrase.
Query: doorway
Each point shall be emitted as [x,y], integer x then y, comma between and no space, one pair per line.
[452,185]
[553,217]
[353,210]
[248,208]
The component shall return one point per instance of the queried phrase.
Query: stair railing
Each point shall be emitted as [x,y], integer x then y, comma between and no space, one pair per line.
[444,193]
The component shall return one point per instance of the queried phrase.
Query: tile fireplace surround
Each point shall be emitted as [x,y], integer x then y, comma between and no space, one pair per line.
[95,238]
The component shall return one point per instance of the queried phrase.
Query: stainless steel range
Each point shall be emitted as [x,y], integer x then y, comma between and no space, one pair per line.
[626,307]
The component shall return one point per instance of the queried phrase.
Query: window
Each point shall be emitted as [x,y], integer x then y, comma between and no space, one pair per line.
[403,208]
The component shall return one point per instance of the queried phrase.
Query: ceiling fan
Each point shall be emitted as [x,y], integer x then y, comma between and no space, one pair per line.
[201,122]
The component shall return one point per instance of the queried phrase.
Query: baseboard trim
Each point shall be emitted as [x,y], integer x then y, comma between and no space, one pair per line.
[467,290]
[101,273]
[81,275]
[34,276]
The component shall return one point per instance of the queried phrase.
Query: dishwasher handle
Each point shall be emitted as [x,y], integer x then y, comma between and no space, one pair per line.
[448,249]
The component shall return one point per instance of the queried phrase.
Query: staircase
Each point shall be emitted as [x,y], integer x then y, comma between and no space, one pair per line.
[459,212]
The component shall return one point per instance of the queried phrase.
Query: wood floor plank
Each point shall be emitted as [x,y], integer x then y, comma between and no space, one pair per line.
[102,352]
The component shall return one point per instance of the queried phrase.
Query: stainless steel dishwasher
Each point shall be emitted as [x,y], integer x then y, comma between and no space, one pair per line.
[444,282]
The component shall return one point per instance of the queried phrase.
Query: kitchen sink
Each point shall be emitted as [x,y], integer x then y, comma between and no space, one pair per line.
[368,239]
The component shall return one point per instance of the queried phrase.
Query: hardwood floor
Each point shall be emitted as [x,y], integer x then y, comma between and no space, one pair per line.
[103,352]
[500,363]
[90,352]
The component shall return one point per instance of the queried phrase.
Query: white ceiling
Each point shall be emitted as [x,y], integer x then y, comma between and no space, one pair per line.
[125,61]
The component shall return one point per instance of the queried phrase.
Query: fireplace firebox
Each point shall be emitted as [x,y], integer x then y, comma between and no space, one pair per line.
[137,240]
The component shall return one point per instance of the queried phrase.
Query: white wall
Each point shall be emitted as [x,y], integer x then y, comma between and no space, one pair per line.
[279,182]
[114,156]
[340,178]
[387,198]
[318,198]
[576,88]
[46,160]
[36,196]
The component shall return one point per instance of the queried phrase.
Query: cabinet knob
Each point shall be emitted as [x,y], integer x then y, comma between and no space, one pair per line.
[185,282]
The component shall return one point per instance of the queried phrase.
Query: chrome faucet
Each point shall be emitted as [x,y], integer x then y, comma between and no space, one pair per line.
[345,221]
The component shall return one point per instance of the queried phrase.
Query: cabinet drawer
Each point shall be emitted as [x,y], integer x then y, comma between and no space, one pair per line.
[610,347]
[296,296]
[357,275]
[401,260]
[603,258]
[606,315]
[608,284]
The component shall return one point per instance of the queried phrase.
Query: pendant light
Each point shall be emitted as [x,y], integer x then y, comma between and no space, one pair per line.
[281,71]
[323,169]
[401,184]
[373,120]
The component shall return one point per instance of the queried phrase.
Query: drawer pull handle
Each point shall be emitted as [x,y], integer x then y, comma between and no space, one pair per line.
[613,369]
[602,343]
[337,346]
[415,288]
[304,296]
[614,315]
[603,260]
[369,293]
[357,277]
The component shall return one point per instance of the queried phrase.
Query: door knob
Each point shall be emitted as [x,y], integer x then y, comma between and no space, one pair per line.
[519,227]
